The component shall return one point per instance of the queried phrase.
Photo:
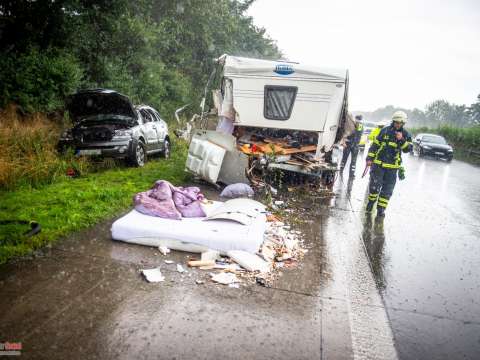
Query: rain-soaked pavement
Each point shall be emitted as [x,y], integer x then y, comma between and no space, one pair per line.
[84,298]
[426,261]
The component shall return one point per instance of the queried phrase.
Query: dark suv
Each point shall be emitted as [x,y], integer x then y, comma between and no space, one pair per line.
[105,123]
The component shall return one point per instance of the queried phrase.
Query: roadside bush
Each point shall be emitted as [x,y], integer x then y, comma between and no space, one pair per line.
[38,80]
[462,137]
[28,153]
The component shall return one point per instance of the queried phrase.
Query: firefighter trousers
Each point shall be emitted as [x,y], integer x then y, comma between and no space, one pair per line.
[353,161]
[382,183]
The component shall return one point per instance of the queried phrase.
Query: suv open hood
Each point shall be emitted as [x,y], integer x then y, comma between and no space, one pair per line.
[100,105]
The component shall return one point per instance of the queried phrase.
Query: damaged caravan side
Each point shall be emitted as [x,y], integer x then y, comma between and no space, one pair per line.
[269,115]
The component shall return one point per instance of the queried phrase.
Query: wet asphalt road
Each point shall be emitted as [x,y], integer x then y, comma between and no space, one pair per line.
[426,261]
[85,298]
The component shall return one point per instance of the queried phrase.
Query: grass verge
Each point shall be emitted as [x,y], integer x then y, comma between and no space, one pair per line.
[70,205]
[28,155]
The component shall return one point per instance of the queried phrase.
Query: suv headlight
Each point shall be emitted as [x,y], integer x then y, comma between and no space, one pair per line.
[426,147]
[122,133]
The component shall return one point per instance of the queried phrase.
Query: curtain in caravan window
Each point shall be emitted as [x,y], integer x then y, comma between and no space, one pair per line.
[278,103]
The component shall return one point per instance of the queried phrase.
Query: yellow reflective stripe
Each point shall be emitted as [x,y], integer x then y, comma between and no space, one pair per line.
[371,154]
[392,144]
[390,166]
[405,145]
[398,159]
[381,199]
[382,205]
[378,153]
[375,141]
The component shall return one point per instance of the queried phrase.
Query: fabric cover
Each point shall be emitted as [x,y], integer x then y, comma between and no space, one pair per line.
[167,201]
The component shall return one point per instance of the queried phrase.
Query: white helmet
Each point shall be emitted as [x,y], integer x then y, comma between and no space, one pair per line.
[400,116]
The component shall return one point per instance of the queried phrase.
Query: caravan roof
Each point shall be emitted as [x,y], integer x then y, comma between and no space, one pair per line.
[235,66]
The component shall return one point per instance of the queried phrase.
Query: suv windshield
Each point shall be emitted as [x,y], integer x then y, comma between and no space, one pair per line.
[434,139]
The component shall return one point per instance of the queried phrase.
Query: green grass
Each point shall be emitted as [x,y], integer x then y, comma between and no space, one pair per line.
[465,155]
[73,204]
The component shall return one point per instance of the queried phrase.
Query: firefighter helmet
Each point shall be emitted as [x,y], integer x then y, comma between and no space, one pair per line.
[400,116]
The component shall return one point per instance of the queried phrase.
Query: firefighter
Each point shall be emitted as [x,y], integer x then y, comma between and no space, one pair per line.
[351,146]
[385,159]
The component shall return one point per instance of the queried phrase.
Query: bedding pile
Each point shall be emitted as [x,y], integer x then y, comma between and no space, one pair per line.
[167,201]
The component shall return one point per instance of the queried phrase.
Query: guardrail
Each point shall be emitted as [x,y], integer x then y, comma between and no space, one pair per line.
[471,152]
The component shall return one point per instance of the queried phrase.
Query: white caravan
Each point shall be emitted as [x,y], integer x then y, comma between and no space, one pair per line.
[261,97]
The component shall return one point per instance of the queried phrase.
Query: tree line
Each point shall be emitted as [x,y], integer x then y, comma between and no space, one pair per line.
[439,113]
[158,52]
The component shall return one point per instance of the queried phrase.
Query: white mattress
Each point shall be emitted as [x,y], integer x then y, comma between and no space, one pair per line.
[190,234]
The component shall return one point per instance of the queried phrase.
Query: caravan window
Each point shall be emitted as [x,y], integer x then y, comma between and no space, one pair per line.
[278,102]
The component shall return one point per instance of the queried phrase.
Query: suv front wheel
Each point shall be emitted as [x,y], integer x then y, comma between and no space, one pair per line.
[138,156]
[166,149]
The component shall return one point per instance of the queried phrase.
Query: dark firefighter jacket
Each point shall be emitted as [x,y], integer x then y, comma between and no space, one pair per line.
[386,150]
[354,138]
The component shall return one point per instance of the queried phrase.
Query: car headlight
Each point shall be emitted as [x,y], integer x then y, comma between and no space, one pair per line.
[123,133]
[426,147]
[450,150]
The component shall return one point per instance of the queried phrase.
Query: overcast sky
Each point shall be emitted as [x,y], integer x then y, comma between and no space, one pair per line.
[404,52]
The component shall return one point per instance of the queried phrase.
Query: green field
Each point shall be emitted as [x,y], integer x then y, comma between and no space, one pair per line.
[72,204]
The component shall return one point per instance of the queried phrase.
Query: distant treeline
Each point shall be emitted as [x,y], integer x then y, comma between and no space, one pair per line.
[158,52]
[437,114]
